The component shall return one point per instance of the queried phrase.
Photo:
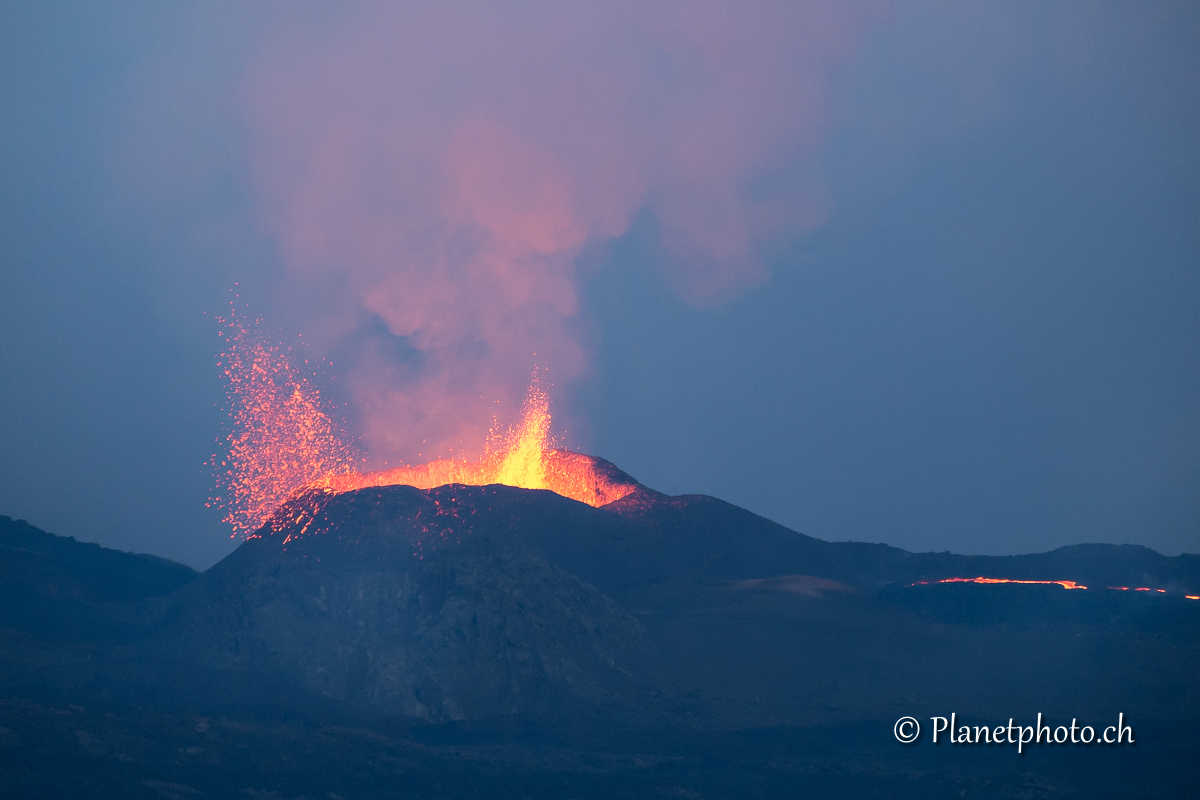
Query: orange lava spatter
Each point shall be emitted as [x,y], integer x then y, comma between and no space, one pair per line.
[524,456]
[284,439]
[283,435]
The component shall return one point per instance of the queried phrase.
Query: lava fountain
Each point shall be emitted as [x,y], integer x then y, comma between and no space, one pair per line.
[524,456]
[282,436]
[284,439]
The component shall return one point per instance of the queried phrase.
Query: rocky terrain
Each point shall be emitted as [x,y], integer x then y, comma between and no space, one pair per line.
[465,641]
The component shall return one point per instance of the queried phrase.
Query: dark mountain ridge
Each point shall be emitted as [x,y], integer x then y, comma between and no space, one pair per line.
[55,586]
[59,566]
[463,619]
[474,602]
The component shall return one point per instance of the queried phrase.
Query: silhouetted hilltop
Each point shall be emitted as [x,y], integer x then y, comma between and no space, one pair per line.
[472,602]
[53,584]
[374,642]
[59,566]
[412,602]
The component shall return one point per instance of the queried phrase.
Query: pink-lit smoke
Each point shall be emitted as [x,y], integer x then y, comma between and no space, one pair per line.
[443,165]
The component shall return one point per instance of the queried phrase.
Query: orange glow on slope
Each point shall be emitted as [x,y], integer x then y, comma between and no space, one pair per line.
[524,456]
[282,434]
[1064,584]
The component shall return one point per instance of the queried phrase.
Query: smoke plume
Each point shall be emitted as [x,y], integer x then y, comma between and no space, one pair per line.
[439,168]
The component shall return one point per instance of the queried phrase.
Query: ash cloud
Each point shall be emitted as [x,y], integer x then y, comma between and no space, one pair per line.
[440,168]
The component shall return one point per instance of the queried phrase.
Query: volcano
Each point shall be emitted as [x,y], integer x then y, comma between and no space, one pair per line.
[373,641]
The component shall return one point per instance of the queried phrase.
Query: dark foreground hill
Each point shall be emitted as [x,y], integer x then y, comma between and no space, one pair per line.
[500,642]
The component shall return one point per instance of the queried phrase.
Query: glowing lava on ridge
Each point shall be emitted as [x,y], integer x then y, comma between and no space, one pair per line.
[284,440]
[524,456]
[1064,584]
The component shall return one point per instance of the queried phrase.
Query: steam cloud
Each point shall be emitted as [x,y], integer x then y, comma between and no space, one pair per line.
[442,166]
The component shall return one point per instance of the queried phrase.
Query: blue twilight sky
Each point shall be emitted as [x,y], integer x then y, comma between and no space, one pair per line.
[957,306]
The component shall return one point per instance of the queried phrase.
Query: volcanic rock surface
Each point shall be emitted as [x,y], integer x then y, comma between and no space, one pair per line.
[399,600]
[371,643]
[474,602]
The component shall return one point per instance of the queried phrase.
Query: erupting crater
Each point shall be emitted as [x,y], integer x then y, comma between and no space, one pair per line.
[524,457]
[285,441]
[580,477]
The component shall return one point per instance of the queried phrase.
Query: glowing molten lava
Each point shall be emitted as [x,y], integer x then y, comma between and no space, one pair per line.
[284,439]
[1064,584]
[283,433]
[524,456]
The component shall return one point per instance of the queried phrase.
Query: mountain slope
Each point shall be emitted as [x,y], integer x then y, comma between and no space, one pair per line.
[53,585]
[503,642]
[471,602]
[395,605]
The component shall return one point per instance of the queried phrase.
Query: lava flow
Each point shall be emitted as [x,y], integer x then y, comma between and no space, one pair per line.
[1064,584]
[284,440]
